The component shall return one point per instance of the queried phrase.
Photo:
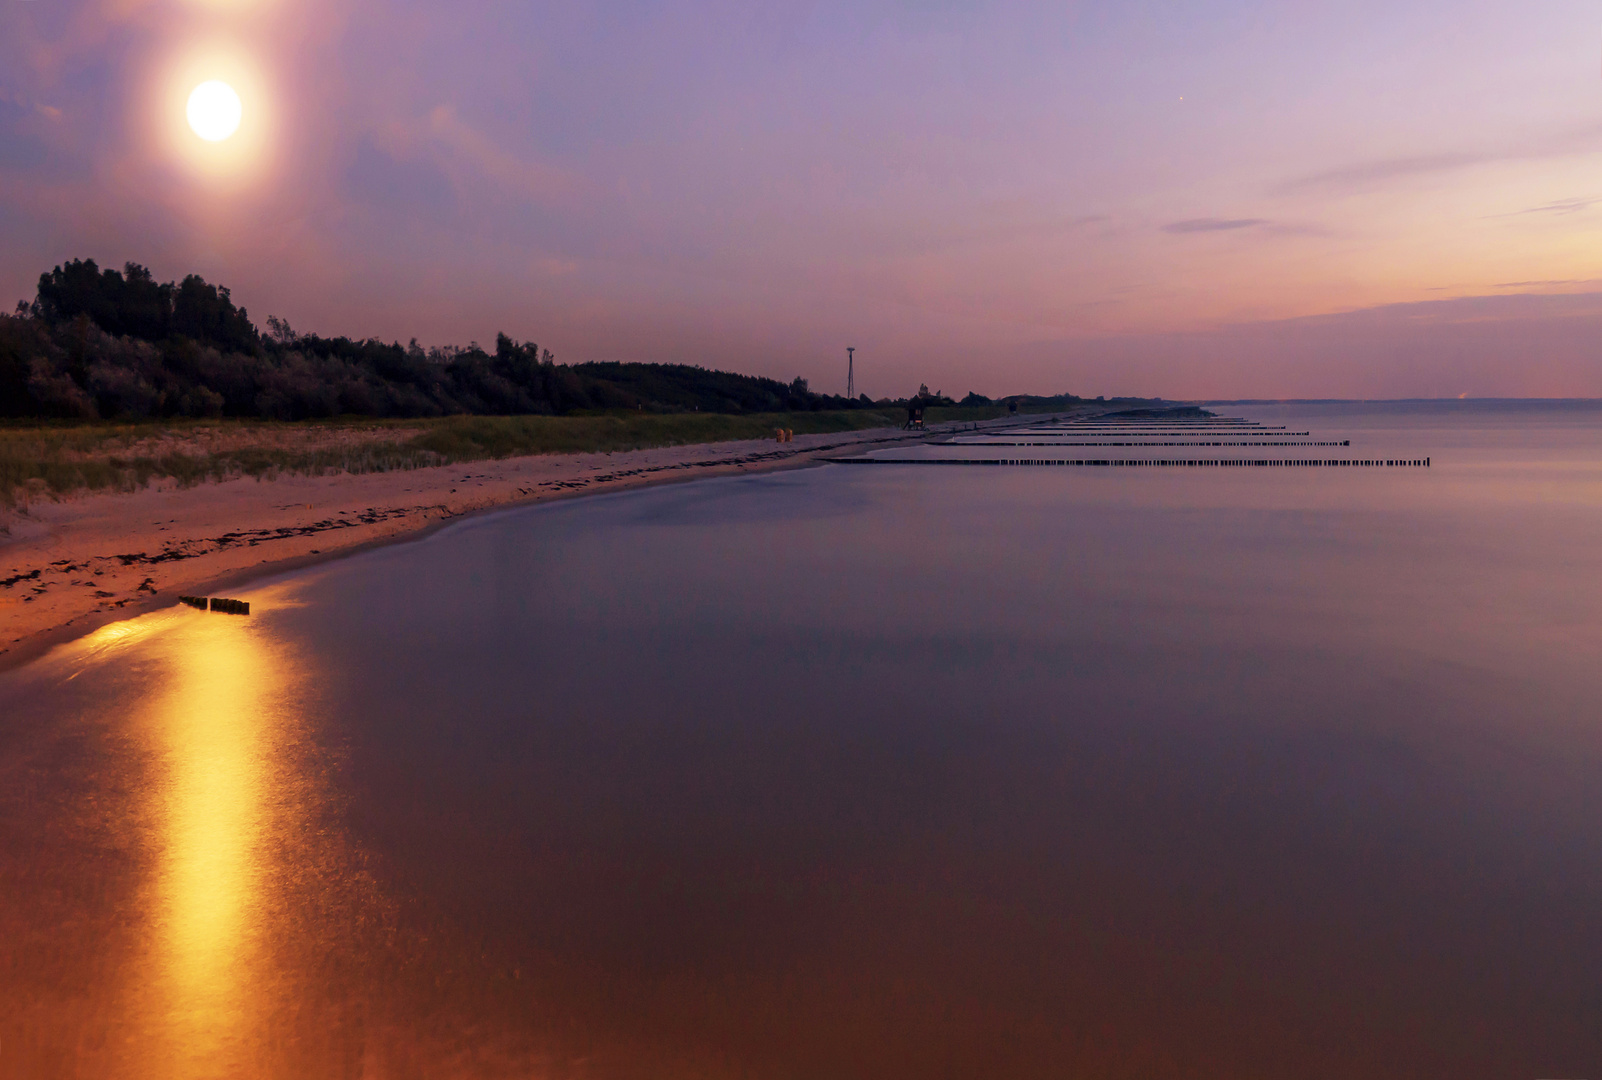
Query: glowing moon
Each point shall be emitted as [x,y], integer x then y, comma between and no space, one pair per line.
[214,111]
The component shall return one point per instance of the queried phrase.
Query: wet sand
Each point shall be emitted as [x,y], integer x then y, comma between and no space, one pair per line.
[68,567]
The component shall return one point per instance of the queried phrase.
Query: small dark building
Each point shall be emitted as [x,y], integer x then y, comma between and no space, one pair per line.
[917,405]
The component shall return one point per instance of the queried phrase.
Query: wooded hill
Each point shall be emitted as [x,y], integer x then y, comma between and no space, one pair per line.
[108,344]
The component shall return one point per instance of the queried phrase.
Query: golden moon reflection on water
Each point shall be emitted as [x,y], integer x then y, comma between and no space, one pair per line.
[214,110]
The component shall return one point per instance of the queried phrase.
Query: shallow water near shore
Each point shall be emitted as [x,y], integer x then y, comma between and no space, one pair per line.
[855,772]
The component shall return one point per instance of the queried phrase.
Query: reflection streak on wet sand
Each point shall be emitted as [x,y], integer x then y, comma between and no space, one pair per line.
[242,936]
[223,809]
[215,734]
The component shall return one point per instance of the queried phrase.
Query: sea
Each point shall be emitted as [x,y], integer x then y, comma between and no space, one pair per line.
[1259,744]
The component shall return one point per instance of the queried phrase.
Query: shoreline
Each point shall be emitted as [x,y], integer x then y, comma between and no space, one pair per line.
[68,568]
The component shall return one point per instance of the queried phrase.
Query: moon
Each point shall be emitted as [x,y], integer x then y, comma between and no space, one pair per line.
[214,111]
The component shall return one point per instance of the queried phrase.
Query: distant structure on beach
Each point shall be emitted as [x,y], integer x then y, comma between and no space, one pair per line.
[917,404]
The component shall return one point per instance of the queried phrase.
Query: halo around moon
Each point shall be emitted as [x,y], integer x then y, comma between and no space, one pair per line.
[214,110]
[210,110]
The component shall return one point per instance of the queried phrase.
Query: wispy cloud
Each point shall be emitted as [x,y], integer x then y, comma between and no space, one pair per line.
[1378,173]
[443,138]
[1206,225]
[1565,206]
[1367,175]
[49,112]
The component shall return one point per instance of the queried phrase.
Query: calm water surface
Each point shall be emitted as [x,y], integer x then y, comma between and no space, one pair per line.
[854,772]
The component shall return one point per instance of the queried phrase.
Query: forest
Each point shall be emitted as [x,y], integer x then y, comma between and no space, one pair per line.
[110,344]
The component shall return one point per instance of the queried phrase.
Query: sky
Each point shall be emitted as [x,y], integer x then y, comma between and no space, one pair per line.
[1215,198]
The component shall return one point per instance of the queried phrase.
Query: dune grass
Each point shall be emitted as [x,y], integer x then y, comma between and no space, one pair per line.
[53,459]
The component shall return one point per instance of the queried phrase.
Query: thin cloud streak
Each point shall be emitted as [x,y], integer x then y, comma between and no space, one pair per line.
[1206,225]
[1372,174]
[1369,175]
[1565,206]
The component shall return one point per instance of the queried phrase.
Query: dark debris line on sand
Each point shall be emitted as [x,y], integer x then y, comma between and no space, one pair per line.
[189,549]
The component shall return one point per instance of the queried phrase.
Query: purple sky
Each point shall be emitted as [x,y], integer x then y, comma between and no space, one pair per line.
[1348,198]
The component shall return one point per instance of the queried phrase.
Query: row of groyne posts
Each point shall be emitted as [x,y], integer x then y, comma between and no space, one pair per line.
[1142,428]
[217,603]
[1189,463]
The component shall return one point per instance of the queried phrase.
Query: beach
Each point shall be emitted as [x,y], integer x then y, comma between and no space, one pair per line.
[69,566]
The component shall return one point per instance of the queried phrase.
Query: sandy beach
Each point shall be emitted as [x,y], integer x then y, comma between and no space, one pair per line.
[68,567]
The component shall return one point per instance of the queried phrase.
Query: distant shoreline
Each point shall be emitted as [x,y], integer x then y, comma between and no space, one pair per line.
[1574,403]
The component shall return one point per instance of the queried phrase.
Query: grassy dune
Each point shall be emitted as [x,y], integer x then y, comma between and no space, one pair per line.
[50,460]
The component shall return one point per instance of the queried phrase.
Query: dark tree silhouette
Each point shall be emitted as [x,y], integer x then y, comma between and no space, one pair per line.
[111,343]
[115,343]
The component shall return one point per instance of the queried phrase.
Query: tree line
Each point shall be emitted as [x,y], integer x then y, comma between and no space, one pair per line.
[106,344]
